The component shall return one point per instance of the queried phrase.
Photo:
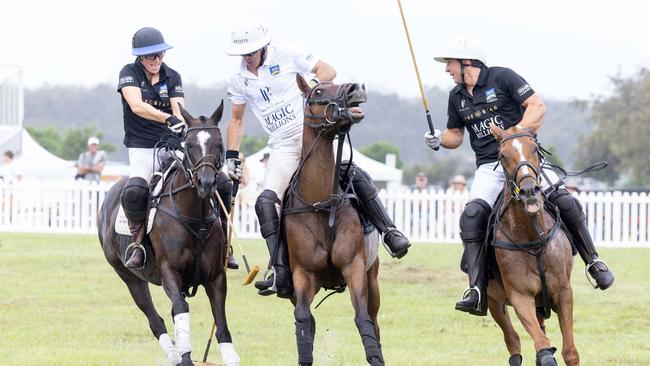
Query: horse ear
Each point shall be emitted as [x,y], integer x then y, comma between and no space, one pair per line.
[496,131]
[302,85]
[216,116]
[186,115]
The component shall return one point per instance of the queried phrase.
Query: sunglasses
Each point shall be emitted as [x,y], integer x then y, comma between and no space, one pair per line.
[154,56]
[250,54]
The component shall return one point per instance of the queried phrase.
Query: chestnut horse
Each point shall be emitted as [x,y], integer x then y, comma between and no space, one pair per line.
[323,230]
[533,254]
[187,241]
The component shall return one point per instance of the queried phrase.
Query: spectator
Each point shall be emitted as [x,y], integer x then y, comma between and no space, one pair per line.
[458,184]
[91,162]
[10,171]
[421,182]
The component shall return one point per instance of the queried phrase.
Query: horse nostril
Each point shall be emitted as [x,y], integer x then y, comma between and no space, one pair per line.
[352,89]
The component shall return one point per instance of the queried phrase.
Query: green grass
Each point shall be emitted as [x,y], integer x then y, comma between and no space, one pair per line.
[61,303]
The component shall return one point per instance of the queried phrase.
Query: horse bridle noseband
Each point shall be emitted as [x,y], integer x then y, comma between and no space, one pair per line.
[337,104]
[513,182]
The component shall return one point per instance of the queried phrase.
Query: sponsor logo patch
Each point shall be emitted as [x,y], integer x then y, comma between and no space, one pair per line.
[163,91]
[126,80]
[275,70]
[309,57]
[178,89]
[490,95]
[521,91]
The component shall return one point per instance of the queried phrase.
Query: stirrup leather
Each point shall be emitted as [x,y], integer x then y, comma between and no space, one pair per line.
[588,266]
[135,246]
[468,291]
[274,287]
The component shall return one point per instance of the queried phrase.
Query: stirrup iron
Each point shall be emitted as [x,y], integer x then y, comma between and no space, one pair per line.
[134,246]
[274,288]
[597,260]
[468,291]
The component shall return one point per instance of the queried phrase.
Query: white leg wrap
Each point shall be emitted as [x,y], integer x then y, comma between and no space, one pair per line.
[168,347]
[228,354]
[182,332]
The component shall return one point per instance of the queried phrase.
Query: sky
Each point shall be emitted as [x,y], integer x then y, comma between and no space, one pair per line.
[564,49]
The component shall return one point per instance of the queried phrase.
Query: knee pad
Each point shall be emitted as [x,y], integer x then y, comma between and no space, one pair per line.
[267,213]
[361,182]
[569,206]
[474,220]
[134,199]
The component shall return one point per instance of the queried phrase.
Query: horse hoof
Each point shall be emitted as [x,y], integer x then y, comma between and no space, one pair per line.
[515,360]
[545,357]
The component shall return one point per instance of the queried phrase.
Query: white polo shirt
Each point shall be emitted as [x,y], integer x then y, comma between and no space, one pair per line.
[273,95]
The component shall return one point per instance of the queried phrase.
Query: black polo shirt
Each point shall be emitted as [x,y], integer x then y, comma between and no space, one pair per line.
[140,132]
[498,97]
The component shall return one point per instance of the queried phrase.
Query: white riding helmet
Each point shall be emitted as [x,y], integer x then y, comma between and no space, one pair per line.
[463,49]
[248,37]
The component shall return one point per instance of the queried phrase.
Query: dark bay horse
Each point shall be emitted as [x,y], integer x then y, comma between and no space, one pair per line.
[324,234]
[533,254]
[187,241]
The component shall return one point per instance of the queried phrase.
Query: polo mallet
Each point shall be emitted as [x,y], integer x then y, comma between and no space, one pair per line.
[251,273]
[417,71]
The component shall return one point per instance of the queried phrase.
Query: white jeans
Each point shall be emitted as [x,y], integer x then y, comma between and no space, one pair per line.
[143,164]
[488,182]
[283,162]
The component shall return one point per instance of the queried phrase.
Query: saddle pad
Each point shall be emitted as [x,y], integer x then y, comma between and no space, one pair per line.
[372,247]
[122,224]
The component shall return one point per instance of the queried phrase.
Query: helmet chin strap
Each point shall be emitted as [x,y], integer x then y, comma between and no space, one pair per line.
[462,74]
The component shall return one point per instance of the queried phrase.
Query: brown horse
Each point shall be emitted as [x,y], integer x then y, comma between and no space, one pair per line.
[533,254]
[324,234]
[187,241]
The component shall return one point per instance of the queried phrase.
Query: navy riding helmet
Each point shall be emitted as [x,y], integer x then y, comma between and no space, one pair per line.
[148,41]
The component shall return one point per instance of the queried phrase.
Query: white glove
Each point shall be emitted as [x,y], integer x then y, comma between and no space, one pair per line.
[313,82]
[433,141]
[234,168]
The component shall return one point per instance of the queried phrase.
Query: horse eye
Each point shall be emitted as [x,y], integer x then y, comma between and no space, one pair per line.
[319,92]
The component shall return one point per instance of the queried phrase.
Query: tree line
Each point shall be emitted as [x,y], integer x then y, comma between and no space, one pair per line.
[609,128]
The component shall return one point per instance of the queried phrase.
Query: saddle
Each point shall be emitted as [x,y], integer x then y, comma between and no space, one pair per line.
[490,241]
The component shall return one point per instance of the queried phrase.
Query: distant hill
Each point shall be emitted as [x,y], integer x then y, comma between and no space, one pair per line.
[388,117]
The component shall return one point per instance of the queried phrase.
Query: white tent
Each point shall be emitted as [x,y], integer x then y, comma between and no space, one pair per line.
[35,162]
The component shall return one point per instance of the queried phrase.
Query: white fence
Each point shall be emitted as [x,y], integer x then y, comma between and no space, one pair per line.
[615,219]
[11,97]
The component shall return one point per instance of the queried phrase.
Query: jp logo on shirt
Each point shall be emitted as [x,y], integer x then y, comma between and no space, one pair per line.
[521,91]
[490,95]
[266,94]
[126,79]
[274,70]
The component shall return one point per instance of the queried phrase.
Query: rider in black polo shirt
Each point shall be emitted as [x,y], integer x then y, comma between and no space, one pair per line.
[150,91]
[483,96]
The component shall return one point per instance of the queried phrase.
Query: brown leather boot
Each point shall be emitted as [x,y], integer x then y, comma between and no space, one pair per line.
[232,262]
[137,258]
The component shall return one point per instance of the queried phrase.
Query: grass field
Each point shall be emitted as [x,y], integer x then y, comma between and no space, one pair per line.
[62,304]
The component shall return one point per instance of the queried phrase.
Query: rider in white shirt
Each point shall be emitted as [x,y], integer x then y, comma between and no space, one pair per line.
[266,81]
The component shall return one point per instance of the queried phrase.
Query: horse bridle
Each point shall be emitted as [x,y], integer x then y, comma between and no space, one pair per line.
[337,104]
[210,161]
[513,182]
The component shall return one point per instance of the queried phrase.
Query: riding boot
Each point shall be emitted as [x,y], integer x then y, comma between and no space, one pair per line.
[396,243]
[473,228]
[279,281]
[135,199]
[474,299]
[574,218]
[136,260]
